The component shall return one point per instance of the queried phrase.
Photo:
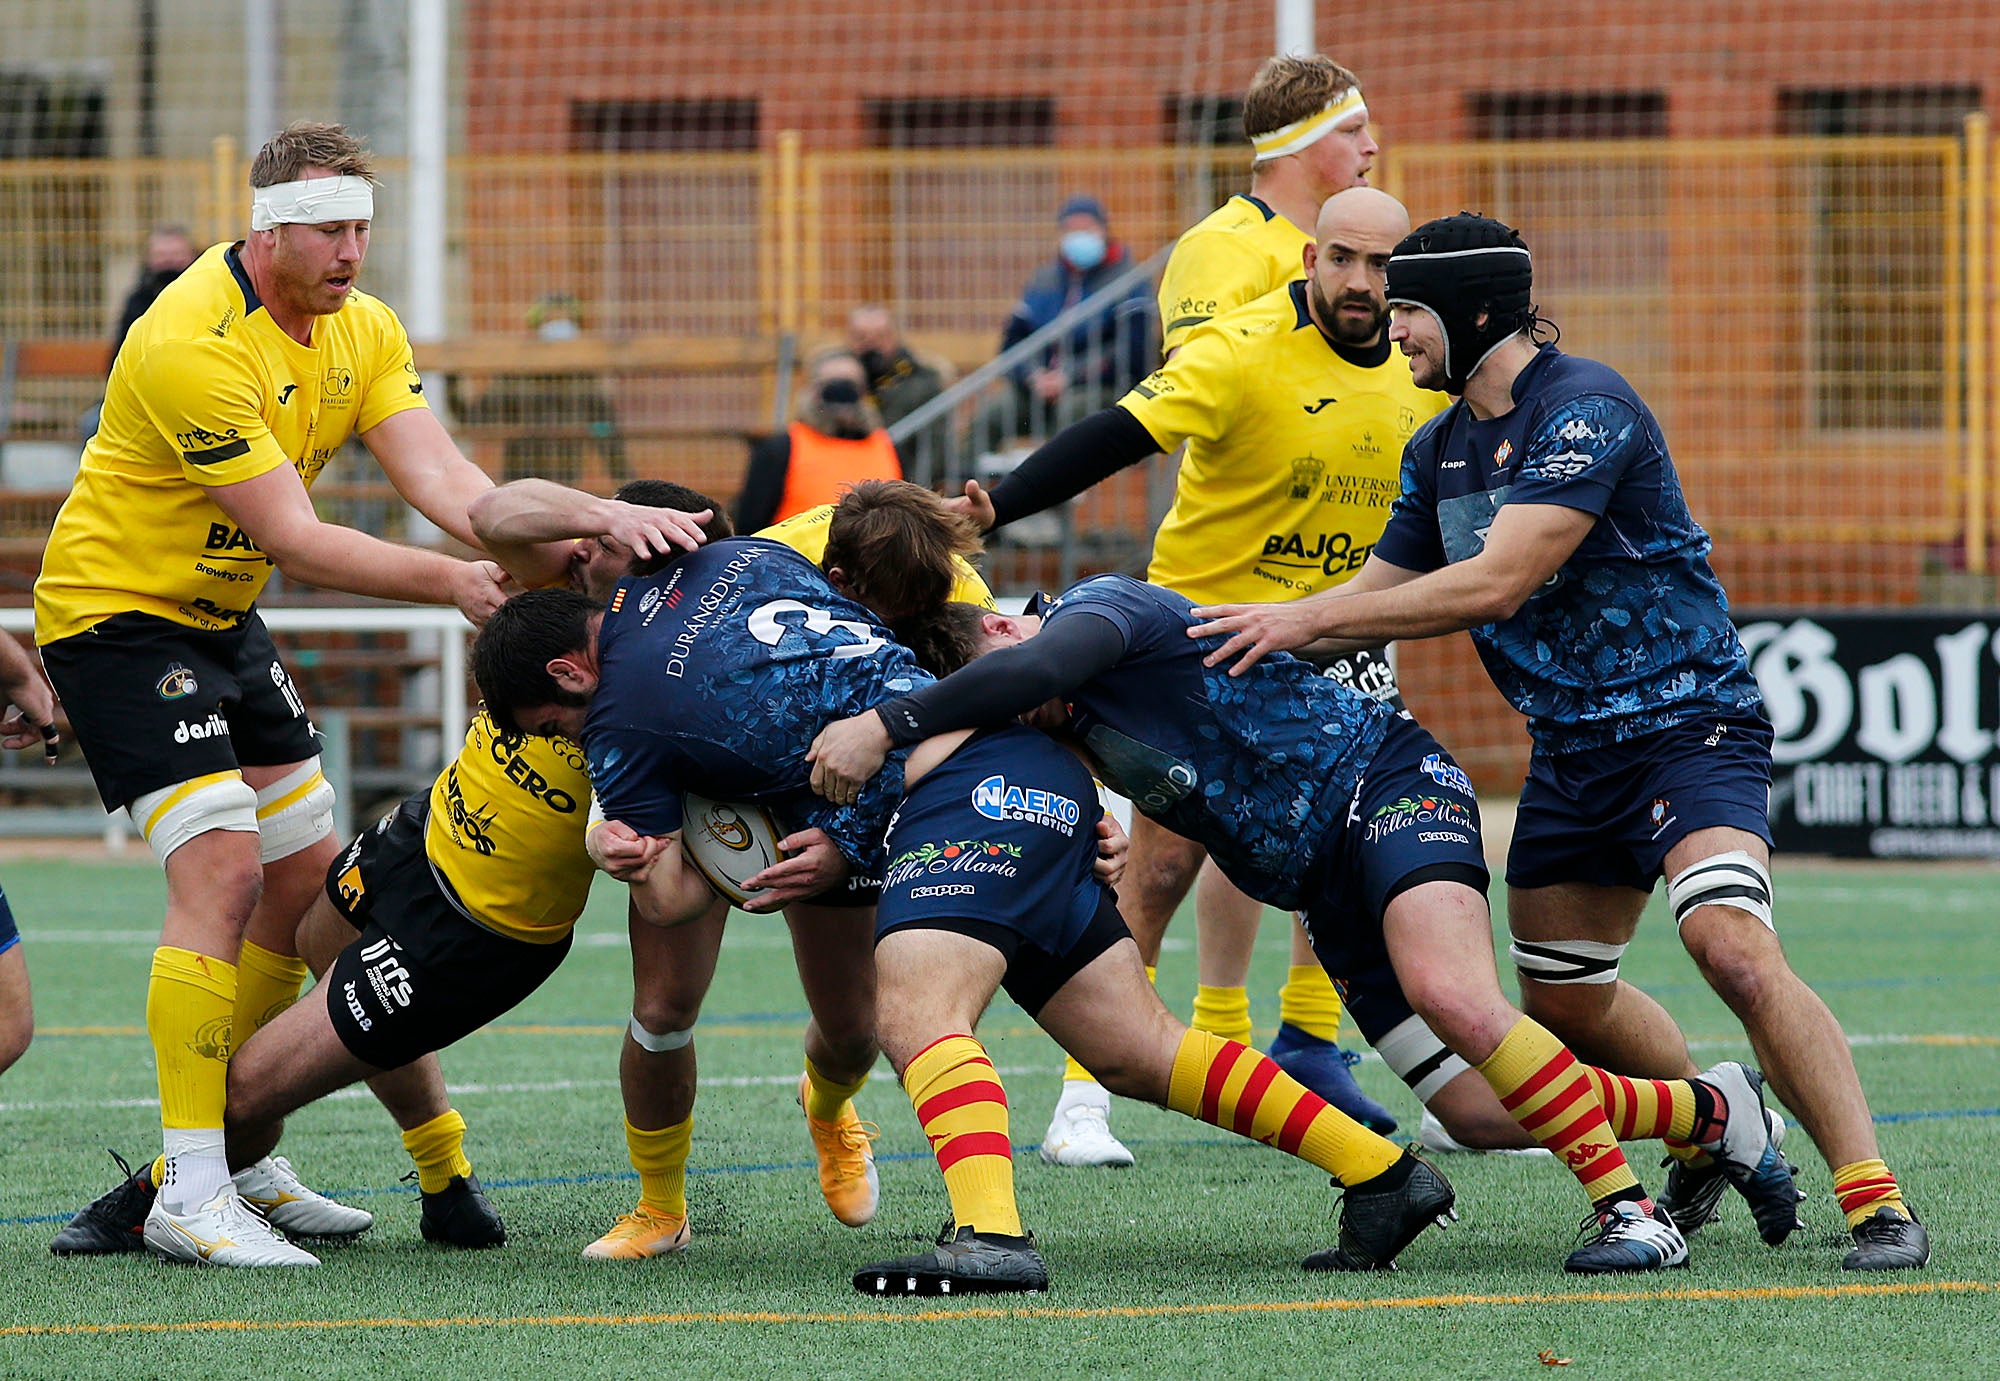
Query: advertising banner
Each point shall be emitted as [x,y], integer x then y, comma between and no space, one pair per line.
[1885,731]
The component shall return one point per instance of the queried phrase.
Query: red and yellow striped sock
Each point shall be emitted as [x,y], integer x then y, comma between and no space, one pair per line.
[1228,1085]
[1645,1109]
[958,1098]
[1549,1093]
[1865,1186]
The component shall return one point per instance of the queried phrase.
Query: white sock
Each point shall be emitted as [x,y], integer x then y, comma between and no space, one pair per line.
[1083,1093]
[196,1168]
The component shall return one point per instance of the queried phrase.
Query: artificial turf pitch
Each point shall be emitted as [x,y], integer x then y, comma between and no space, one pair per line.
[1186,1265]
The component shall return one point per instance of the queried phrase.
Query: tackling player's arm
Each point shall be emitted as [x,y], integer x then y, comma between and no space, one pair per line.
[990,690]
[274,510]
[1525,547]
[530,524]
[427,468]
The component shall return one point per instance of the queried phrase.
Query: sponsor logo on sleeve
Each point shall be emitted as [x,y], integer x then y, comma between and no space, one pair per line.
[1445,773]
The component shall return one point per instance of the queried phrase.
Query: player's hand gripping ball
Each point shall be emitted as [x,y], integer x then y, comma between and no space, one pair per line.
[728,843]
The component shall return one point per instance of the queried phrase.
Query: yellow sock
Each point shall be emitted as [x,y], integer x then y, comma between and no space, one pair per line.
[824,1098]
[1310,1002]
[189,1001]
[1072,1071]
[1547,1091]
[661,1158]
[1865,1186]
[1226,1084]
[438,1148]
[963,1109]
[266,984]
[1223,1012]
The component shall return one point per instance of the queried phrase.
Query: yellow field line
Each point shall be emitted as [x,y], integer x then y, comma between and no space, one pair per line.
[1310,1306]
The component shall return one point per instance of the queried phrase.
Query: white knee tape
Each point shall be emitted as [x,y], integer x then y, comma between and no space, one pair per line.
[1732,879]
[1419,1058]
[295,812]
[1566,961]
[660,1044]
[171,816]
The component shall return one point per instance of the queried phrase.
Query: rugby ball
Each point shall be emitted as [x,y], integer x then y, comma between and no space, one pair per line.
[728,842]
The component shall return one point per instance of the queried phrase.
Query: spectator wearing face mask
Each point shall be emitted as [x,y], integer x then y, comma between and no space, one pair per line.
[1097,360]
[898,382]
[836,441]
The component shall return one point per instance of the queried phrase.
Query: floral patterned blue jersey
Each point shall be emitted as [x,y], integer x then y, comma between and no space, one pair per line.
[1632,635]
[715,677]
[1256,768]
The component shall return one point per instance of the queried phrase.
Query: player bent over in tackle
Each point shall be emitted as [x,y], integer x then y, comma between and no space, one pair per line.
[990,886]
[464,899]
[884,543]
[1312,796]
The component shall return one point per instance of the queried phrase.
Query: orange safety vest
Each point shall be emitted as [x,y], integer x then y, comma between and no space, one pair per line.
[823,466]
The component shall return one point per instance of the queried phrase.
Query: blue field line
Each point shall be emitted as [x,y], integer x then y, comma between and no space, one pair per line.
[765,1168]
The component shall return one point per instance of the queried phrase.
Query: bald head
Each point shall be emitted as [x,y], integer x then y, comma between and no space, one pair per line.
[1347,265]
[1362,214]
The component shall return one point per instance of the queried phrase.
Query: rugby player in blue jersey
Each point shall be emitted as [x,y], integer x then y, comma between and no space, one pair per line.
[1543,513]
[714,676]
[1313,797]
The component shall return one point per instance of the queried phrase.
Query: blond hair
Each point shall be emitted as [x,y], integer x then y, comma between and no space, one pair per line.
[1291,88]
[307,144]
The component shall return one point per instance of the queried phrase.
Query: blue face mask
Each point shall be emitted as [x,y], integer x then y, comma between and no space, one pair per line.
[1084,249]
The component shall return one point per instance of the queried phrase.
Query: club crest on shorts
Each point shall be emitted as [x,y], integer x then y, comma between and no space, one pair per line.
[1446,773]
[177,683]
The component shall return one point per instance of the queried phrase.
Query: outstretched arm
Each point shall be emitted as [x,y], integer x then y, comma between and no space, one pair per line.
[529,526]
[1525,547]
[992,690]
[1070,462]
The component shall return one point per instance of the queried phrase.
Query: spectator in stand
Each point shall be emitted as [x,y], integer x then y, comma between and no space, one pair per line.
[169,250]
[554,420]
[837,441]
[1100,357]
[899,382]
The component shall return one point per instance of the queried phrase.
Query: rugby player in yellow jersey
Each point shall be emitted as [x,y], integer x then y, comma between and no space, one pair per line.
[1294,409]
[892,545]
[1307,122]
[464,899]
[1308,126]
[225,402]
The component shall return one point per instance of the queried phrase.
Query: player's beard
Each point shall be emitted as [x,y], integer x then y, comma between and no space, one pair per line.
[1345,330]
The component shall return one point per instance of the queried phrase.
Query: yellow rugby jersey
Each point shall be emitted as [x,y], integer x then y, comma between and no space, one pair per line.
[805,533]
[208,391]
[506,832]
[1295,445]
[1233,255]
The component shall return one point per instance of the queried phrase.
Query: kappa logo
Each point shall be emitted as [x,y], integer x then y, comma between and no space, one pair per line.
[1583,1153]
[1576,429]
[177,683]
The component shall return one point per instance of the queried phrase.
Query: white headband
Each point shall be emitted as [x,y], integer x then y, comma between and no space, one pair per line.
[312,201]
[1301,134]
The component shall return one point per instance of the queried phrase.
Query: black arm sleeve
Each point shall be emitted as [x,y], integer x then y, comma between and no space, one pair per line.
[764,483]
[1074,459]
[1010,682]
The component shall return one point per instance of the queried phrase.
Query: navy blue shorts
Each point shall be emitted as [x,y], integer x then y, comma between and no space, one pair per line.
[1609,815]
[997,842]
[1414,820]
[9,936]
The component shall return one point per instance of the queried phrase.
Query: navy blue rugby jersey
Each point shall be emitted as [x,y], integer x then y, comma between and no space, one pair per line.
[715,677]
[1256,768]
[1632,635]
